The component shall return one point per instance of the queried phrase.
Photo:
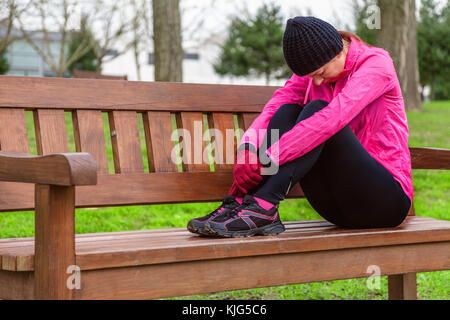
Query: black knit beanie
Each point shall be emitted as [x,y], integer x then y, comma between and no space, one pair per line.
[309,43]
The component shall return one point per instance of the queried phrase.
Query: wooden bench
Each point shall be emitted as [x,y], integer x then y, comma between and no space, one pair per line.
[171,262]
[96,75]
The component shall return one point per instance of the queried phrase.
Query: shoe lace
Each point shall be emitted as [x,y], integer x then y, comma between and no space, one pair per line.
[234,212]
[227,203]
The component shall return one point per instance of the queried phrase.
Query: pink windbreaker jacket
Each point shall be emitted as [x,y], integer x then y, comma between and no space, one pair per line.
[367,97]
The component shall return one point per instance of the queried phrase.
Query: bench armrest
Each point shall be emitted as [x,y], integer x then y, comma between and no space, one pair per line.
[430,158]
[62,169]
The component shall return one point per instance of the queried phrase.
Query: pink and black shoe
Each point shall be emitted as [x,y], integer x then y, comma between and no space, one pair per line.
[249,219]
[197,225]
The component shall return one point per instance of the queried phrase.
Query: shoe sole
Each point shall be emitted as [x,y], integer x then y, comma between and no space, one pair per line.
[197,229]
[270,229]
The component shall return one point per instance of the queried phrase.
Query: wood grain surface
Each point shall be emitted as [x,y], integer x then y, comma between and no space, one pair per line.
[132,248]
[75,94]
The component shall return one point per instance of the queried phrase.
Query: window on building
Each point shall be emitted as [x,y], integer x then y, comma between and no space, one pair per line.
[187,56]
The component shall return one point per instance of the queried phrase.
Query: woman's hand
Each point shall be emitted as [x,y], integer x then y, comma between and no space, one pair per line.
[247,170]
[236,190]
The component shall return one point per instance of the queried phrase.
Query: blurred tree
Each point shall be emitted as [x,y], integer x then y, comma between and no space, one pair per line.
[41,40]
[168,51]
[57,15]
[6,22]
[79,39]
[195,15]
[433,31]
[254,46]
[398,36]
[140,30]
[8,10]
[4,65]
[443,82]
[114,25]
[362,11]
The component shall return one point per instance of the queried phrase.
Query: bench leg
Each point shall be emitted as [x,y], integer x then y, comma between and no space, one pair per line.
[54,241]
[402,286]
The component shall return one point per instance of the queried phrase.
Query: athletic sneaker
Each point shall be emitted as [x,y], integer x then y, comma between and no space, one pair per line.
[197,225]
[247,220]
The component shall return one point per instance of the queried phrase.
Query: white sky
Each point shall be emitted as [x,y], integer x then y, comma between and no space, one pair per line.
[217,13]
[322,9]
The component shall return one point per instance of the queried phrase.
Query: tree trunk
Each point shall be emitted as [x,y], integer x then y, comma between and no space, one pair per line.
[412,94]
[168,52]
[267,78]
[433,89]
[398,36]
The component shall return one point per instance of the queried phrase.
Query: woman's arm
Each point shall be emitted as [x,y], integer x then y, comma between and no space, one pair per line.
[292,92]
[375,76]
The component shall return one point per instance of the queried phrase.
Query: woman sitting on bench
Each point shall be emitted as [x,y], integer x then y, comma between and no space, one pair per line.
[343,137]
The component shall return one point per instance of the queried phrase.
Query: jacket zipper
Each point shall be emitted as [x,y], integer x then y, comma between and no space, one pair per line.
[305,100]
[332,89]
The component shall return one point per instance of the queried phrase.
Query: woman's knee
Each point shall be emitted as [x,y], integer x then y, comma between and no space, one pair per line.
[284,115]
[310,108]
[389,216]
[282,121]
[399,215]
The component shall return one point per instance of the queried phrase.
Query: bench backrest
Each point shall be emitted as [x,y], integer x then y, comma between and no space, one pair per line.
[96,75]
[157,107]
[162,106]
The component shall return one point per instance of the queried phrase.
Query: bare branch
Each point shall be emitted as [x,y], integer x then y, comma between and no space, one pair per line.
[43,16]
[30,40]
[12,8]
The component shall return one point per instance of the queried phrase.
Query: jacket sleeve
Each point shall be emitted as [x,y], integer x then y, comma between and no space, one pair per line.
[292,92]
[375,76]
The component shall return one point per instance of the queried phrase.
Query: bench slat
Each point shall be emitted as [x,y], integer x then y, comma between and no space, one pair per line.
[163,280]
[430,158]
[192,141]
[221,123]
[13,130]
[90,137]
[51,133]
[125,142]
[172,232]
[154,188]
[246,119]
[175,245]
[158,134]
[195,277]
[292,226]
[72,94]
[13,137]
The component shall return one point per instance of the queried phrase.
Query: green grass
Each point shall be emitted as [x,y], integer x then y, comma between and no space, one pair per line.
[431,187]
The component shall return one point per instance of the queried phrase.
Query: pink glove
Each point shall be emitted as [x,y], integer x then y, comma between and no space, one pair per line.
[247,170]
[236,190]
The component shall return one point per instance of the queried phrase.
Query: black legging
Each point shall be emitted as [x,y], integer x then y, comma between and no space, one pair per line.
[340,179]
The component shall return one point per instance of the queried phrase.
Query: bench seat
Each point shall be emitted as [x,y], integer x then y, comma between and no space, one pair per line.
[315,239]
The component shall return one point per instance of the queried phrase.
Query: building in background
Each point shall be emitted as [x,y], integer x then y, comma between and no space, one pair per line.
[197,68]
[24,60]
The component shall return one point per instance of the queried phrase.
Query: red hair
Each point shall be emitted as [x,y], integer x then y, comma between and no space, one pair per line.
[348,34]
